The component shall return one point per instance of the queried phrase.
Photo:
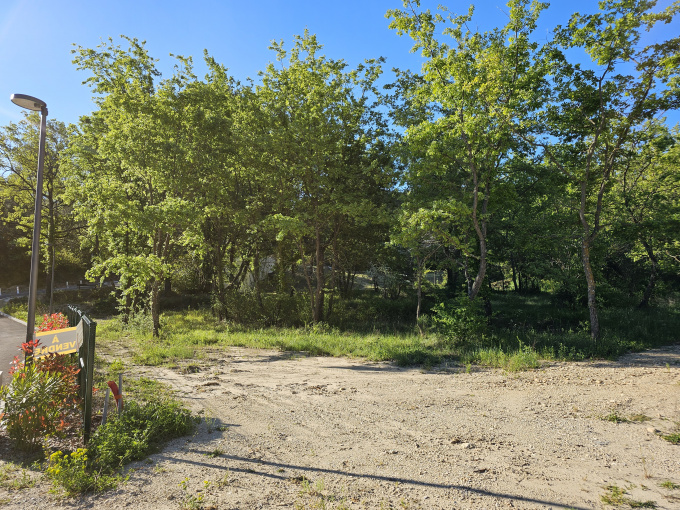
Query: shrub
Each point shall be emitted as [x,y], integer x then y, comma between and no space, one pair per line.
[136,433]
[140,430]
[30,411]
[72,473]
[52,322]
[460,320]
[524,359]
[42,395]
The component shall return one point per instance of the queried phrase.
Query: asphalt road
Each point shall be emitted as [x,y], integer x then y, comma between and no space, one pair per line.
[12,334]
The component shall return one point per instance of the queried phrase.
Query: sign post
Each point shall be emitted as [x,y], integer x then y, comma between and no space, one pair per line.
[84,336]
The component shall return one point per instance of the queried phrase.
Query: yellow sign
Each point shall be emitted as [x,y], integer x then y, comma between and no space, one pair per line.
[58,341]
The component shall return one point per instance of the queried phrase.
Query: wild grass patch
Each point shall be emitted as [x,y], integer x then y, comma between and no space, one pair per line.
[616,496]
[142,429]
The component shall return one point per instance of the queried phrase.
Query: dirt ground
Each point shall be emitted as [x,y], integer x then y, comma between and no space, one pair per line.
[284,430]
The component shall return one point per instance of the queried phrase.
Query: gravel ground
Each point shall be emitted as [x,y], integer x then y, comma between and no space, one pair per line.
[284,430]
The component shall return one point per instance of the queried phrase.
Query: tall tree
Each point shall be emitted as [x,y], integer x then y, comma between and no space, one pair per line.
[459,136]
[130,167]
[324,178]
[648,206]
[18,173]
[593,111]
[223,119]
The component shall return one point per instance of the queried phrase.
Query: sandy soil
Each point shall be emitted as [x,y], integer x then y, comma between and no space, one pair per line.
[287,431]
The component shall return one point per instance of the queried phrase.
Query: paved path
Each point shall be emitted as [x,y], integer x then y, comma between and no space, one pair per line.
[12,334]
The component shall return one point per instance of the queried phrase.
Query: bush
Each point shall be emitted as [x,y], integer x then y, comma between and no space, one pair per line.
[72,474]
[30,411]
[460,320]
[41,395]
[52,322]
[140,430]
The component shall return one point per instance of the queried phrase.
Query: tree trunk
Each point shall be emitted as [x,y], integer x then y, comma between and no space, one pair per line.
[479,279]
[514,273]
[293,272]
[419,290]
[155,308]
[451,282]
[468,279]
[127,309]
[333,282]
[319,291]
[218,279]
[652,277]
[256,274]
[590,282]
[480,229]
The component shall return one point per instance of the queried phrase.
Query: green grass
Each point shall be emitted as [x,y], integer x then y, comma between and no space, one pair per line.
[558,332]
[13,477]
[615,418]
[524,330]
[616,496]
[525,358]
[673,438]
[185,334]
[144,389]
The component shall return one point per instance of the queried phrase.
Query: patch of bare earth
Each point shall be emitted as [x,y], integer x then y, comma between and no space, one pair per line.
[287,431]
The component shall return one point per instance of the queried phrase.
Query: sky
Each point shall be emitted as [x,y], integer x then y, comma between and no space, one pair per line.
[37,36]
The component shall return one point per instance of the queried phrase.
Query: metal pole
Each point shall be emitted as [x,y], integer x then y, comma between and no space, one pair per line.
[52,284]
[35,248]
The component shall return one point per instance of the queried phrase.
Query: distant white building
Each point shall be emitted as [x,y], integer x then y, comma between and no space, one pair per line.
[267,265]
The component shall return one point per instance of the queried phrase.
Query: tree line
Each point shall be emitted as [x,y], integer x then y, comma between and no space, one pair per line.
[506,160]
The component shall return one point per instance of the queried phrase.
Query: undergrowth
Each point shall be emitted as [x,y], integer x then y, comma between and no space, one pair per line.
[522,330]
[133,435]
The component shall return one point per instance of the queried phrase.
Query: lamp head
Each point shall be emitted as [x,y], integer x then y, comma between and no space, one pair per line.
[28,102]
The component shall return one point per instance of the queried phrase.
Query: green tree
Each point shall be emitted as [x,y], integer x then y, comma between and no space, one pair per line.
[18,172]
[458,138]
[648,207]
[325,180]
[593,111]
[223,154]
[130,171]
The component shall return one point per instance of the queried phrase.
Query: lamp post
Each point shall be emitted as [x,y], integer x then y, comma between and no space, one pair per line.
[35,104]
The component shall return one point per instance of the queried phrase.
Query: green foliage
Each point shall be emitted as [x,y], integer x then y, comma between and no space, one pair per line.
[33,405]
[140,430]
[41,394]
[335,189]
[13,477]
[72,474]
[525,358]
[672,438]
[461,320]
[155,354]
[18,162]
[615,418]
[523,329]
[146,390]
[616,496]
[387,280]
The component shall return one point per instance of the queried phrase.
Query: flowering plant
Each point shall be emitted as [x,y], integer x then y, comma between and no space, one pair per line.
[54,321]
[42,396]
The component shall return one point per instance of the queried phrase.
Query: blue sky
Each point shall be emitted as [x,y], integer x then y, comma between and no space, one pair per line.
[36,37]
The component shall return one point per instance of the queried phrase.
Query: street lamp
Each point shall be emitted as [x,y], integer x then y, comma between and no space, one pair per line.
[35,104]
